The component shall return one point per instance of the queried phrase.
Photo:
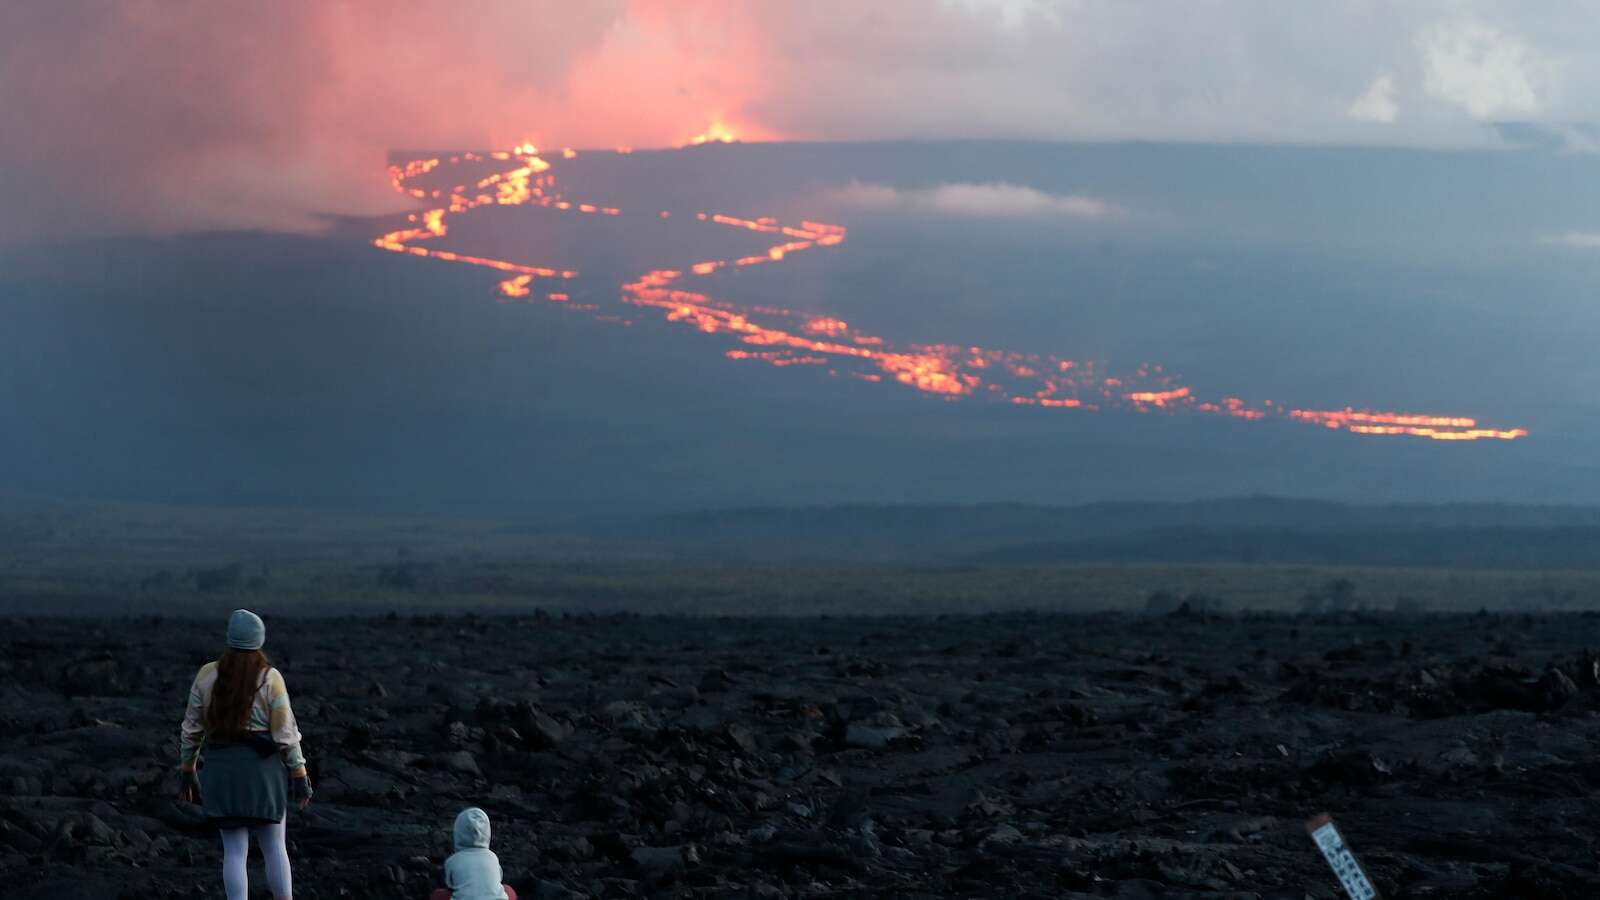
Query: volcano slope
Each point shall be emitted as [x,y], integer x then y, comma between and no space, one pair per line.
[1007,756]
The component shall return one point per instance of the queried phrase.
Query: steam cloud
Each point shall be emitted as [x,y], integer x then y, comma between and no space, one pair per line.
[995,198]
[1588,240]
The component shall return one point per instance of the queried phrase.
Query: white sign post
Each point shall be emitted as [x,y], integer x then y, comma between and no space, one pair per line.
[1344,864]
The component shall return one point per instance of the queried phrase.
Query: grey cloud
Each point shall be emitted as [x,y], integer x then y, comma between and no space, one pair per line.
[984,200]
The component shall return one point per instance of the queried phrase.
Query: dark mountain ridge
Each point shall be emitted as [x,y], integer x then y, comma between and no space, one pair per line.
[1251,529]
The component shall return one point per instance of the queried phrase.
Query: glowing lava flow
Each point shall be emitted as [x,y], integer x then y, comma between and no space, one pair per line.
[782,338]
[715,133]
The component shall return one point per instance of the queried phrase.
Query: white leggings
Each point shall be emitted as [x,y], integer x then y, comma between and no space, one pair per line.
[236,848]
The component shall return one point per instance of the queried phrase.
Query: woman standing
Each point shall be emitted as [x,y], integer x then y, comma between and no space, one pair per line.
[239,712]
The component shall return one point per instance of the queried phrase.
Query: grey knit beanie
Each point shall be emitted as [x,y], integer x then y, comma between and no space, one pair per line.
[246,631]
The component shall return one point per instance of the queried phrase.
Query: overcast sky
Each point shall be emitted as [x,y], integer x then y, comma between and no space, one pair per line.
[166,115]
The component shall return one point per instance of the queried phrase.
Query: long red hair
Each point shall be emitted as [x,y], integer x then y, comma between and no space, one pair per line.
[240,673]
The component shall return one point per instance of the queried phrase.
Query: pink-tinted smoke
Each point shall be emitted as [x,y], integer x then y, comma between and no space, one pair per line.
[165,116]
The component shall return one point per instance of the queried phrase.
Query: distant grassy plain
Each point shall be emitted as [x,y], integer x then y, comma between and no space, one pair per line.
[95,559]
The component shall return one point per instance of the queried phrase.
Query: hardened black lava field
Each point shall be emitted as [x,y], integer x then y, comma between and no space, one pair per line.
[1010,755]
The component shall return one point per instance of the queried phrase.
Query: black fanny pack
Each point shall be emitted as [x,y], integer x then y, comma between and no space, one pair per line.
[260,742]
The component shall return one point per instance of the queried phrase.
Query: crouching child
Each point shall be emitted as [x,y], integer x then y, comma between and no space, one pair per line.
[473,871]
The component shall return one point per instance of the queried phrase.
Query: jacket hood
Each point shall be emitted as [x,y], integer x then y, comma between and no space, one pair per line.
[472,829]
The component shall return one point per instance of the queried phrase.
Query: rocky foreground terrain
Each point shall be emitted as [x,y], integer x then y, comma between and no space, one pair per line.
[998,756]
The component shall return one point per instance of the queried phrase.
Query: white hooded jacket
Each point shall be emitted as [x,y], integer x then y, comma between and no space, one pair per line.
[473,871]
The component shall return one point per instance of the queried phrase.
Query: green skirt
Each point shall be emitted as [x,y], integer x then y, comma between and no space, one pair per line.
[240,787]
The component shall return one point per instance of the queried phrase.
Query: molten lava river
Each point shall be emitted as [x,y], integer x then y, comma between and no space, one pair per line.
[771,336]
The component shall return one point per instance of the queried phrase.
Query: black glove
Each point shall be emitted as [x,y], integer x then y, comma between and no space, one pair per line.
[300,791]
[188,786]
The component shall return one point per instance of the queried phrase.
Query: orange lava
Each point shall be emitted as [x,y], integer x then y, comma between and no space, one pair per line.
[783,338]
[516,287]
[716,133]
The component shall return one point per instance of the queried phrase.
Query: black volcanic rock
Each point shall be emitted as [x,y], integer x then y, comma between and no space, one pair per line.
[1004,756]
